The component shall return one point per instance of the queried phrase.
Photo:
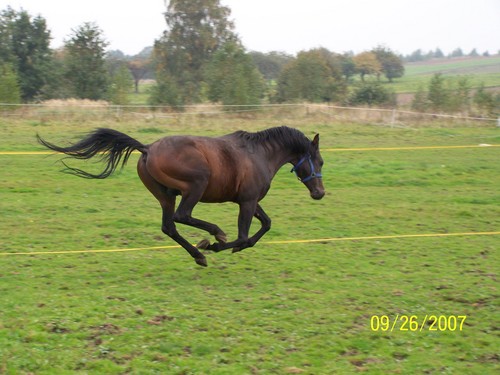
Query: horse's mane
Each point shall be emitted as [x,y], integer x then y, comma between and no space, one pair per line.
[282,136]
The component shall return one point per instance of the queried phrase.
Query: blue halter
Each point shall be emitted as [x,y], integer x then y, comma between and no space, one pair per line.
[311,165]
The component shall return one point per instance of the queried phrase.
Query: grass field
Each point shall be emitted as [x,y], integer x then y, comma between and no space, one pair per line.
[280,307]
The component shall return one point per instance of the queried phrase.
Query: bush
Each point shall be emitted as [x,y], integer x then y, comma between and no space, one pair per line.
[486,102]
[165,93]
[372,93]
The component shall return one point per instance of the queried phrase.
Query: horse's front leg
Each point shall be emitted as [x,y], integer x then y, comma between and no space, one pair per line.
[247,211]
[266,226]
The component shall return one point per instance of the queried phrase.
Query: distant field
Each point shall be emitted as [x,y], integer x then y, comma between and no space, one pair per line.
[479,70]
[278,308]
[473,65]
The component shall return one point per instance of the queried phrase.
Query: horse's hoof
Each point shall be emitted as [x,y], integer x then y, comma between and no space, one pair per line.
[201,261]
[203,244]
[221,237]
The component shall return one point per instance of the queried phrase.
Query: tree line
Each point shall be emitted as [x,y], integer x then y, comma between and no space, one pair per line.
[31,71]
[455,95]
[198,58]
[419,55]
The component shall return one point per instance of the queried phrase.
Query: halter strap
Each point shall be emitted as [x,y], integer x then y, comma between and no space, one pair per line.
[311,165]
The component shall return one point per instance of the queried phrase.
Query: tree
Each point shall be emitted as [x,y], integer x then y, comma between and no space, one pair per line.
[419,102]
[367,63]
[120,87]
[438,54]
[165,92]
[474,53]
[270,64]
[485,101]
[9,88]
[348,66]
[233,78]
[24,44]
[415,56]
[305,78]
[196,30]
[392,65]
[460,99]
[437,94]
[85,62]
[138,68]
[57,87]
[457,53]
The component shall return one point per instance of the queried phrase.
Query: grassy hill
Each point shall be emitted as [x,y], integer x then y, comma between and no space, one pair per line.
[479,70]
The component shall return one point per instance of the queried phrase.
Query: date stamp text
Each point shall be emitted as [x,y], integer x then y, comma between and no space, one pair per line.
[415,323]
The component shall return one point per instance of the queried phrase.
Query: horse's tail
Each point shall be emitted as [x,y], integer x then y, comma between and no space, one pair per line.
[110,144]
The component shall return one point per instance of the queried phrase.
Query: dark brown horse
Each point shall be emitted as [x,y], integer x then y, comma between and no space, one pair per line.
[237,167]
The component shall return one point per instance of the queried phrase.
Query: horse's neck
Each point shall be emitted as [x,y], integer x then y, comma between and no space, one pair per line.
[278,157]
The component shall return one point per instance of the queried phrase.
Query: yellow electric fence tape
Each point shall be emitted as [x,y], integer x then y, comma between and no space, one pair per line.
[278,242]
[27,153]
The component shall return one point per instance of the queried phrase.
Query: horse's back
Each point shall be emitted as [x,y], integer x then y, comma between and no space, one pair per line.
[178,162]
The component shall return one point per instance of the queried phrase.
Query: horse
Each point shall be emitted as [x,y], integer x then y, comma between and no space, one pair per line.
[236,167]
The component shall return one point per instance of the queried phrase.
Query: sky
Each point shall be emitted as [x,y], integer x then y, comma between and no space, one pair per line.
[291,26]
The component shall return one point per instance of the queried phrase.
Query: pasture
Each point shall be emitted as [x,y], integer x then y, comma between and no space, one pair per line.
[304,300]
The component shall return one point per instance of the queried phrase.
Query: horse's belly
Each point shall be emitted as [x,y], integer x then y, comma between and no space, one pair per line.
[218,193]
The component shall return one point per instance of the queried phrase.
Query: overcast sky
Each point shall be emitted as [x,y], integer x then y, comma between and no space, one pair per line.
[291,26]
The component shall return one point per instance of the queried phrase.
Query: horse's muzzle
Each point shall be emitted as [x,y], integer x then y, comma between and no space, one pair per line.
[317,194]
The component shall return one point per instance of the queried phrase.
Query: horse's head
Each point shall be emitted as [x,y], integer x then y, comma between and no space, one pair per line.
[308,169]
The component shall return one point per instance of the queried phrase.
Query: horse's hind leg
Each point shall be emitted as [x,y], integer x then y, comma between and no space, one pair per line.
[183,215]
[168,227]
[167,202]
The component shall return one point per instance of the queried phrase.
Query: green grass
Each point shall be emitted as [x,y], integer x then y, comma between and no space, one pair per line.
[272,309]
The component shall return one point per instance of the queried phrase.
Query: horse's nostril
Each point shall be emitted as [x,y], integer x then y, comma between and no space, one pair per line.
[317,194]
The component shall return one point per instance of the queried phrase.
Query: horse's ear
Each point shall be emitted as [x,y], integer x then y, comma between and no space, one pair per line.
[315,141]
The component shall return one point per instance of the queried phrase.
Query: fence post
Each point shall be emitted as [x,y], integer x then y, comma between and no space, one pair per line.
[498,122]
[393,118]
